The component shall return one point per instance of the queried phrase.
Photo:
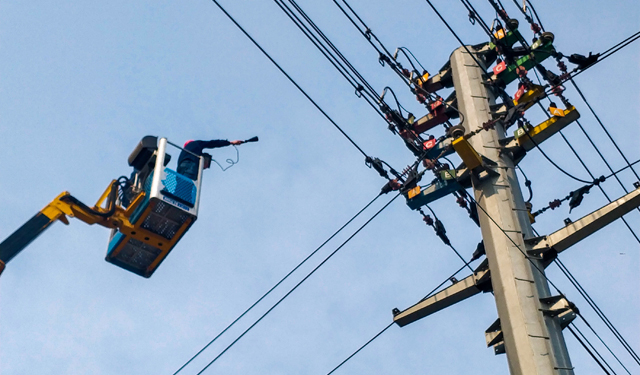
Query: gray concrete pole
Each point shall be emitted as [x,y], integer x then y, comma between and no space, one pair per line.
[534,343]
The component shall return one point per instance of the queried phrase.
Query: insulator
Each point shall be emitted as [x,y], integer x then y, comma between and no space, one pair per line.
[461,202]
[535,28]
[427,219]
[555,204]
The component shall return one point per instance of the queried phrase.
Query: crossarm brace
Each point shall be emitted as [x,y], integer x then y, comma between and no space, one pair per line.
[478,282]
[574,232]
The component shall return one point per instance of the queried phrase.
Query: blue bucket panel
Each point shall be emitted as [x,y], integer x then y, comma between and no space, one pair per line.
[179,187]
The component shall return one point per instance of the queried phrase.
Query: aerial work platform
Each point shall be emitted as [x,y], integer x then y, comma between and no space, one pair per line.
[147,214]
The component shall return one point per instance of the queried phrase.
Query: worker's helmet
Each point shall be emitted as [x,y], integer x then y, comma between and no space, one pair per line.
[187,142]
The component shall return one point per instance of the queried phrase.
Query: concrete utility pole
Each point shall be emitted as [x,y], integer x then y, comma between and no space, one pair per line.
[533,340]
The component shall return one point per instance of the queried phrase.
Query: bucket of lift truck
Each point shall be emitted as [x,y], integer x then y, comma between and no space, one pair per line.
[167,210]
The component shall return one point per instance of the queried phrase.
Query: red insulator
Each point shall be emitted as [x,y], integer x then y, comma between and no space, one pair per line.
[429,164]
[557,90]
[421,98]
[565,76]
[555,204]
[521,71]
[562,66]
[488,125]
[406,73]
[388,117]
[535,28]
[461,202]
[427,219]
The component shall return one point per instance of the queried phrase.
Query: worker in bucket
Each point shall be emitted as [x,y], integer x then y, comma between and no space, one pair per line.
[188,161]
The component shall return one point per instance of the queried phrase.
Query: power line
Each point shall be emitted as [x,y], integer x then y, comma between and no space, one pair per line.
[593,348]
[456,36]
[591,304]
[615,49]
[604,128]
[625,41]
[277,284]
[289,77]
[588,350]
[332,53]
[576,284]
[598,312]
[390,324]
[298,284]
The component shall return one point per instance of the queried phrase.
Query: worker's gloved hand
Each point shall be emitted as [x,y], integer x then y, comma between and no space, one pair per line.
[235,143]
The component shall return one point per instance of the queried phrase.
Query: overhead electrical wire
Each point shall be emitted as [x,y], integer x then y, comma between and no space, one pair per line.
[466,264]
[615,49]
[593,348]
[637,238]
[594,306]
[584,165]
[542,273]
[289,78]
[588,350]
[392,61]
[330,51]
[326,47]
[629,165]
[456,35]
[298,284]
[603,128]
[277,284]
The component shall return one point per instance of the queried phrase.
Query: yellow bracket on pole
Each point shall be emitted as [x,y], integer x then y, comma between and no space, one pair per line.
[528,139]
[530,96]
[467,153]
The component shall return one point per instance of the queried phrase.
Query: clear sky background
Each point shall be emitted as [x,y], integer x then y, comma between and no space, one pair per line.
[82,81]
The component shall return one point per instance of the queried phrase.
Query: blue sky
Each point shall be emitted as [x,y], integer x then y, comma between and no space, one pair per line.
[82,82]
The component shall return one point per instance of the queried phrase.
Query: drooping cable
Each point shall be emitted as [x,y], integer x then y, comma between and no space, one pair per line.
[277,284]
[298,284]
[527,183]
[554,163]
[385,56]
